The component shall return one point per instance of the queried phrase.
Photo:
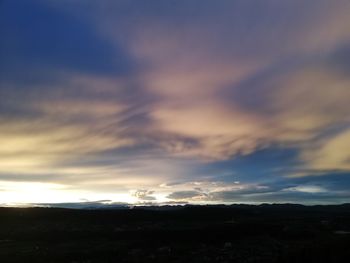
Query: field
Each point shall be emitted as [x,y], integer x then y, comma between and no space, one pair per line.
[237,233]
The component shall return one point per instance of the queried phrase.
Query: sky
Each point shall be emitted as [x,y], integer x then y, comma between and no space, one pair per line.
[174,102]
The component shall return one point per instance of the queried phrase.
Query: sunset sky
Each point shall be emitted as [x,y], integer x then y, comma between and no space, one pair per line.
[174,101]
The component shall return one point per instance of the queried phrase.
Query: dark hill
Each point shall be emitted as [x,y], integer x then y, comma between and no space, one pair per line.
[236,233]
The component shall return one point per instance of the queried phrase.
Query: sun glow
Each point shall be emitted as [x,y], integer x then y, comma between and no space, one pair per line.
[29,193]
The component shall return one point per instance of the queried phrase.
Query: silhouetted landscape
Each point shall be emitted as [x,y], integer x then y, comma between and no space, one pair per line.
[235,233]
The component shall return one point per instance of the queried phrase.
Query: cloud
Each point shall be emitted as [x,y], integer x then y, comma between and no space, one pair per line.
[227,117]
[284,193]
[330,154]
[144,195]
[204,191]
[218,126]
[306,189]
[100,204]
[183,195]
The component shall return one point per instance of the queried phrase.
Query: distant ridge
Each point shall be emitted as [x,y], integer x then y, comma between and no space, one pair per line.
[104,204]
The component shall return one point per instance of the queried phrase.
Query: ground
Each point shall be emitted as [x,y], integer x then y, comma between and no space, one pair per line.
[237,233]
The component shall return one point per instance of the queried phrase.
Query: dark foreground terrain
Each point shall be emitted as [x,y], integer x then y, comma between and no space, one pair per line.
[238,233]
